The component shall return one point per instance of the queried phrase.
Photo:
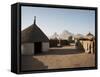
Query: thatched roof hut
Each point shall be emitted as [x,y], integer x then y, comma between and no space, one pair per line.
[33,34]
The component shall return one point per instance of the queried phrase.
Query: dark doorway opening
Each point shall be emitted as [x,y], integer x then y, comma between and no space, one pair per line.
[37,47]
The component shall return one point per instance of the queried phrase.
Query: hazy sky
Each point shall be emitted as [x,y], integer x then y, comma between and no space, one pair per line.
[51,20]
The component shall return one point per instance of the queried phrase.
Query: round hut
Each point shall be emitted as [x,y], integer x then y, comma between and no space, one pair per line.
[33,40]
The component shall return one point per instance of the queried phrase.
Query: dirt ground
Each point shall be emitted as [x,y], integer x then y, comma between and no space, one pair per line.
[55,58]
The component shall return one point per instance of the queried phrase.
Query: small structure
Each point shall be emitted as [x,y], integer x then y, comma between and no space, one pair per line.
[33,40]
[88,43]
[77,42]
[56,41]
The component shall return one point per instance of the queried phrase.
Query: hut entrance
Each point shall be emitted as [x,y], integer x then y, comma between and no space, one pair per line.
[37,47]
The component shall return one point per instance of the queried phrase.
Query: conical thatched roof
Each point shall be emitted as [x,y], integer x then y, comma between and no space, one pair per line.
[89,34]
[33,34]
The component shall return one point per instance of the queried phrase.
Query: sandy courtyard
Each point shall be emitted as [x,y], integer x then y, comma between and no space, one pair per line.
[55,58]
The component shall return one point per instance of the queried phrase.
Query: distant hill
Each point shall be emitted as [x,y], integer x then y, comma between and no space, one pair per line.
[54,36]
[65,34]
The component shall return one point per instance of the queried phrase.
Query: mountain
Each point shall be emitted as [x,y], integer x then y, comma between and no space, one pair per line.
[65,34]
[54,36]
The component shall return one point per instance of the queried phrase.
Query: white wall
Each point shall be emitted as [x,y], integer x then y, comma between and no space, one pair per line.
[45,46]
[27,49]
[86,45]
[5,39]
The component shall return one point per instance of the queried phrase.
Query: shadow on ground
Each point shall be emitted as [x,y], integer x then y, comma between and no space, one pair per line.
[62,52]
[30,63]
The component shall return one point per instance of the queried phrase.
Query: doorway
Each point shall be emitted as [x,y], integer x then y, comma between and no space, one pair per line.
[37,47]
